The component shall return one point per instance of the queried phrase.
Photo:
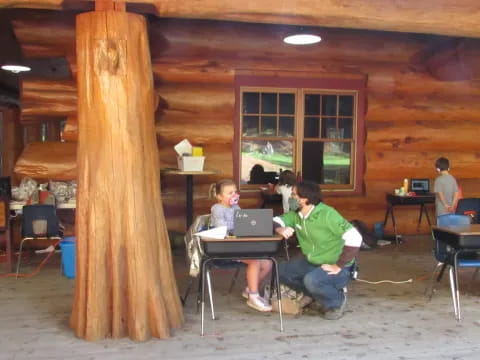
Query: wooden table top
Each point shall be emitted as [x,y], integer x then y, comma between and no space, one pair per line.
[170,171]
[462,230]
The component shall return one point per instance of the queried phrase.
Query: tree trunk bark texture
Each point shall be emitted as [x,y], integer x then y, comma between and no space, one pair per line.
[125,284]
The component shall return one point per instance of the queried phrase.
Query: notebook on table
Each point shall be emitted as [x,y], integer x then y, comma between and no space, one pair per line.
[253,222]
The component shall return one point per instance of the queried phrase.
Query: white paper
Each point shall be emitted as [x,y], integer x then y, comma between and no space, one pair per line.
[215,233]
[183,147]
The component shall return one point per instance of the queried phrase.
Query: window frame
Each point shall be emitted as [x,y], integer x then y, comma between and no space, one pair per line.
[354,84]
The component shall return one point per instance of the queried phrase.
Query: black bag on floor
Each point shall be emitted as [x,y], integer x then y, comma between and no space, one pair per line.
[369,238]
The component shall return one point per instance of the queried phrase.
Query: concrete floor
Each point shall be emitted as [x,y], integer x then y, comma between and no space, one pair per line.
[382,321]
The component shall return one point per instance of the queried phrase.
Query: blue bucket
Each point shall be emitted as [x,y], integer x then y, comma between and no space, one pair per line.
[378,230]
[68,256]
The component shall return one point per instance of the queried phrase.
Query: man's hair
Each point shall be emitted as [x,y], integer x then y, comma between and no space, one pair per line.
[309,190]
[217,188]
[442,164]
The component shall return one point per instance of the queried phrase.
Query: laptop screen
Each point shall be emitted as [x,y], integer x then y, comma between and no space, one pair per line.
[420,185]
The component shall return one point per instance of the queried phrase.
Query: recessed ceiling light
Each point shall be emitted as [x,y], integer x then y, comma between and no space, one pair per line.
[15,68]
[302,39]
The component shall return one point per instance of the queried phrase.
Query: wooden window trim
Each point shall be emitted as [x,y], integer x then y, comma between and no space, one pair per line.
[357,85]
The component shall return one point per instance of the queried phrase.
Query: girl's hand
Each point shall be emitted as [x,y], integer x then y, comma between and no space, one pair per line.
[286,232]
[331,269]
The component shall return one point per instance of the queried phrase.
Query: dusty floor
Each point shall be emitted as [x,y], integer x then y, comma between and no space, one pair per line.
[382,321]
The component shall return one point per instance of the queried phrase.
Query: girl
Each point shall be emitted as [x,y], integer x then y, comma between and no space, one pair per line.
[222,214]
[286,182]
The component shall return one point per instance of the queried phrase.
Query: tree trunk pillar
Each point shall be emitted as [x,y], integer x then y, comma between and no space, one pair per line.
[125,284]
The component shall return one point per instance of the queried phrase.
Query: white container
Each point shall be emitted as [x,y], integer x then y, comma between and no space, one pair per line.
[190,163]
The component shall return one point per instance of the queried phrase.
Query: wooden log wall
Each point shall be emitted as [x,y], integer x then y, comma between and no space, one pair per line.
[412,117]
[410,120]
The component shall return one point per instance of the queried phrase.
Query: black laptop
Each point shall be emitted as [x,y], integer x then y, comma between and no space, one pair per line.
[420,186]
[253,222]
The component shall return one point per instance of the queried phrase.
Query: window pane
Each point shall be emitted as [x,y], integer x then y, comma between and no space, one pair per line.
[329,130]
[312,104]
[326,162]
[287,104]
[250,103]
[269,103]
[312,161]
[287,126]
[345,105]
[329,105]
[271,156]
[311,127]
[269,126]
[336,160]
[250,126]
[345,128]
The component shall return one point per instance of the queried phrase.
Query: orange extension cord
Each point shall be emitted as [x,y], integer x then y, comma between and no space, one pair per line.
[34,272]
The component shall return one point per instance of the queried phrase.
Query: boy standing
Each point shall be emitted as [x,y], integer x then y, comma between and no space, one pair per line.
[445,188]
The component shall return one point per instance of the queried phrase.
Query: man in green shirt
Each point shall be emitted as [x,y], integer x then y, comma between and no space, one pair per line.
[329,244]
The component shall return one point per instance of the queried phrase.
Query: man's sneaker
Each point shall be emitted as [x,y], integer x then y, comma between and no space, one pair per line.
[256,302]
[245,293]
[336,313]
[317,307]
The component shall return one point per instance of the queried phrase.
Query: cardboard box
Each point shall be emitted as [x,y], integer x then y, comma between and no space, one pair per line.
[190,163]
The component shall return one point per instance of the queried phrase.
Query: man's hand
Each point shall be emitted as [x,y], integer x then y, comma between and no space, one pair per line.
[286,232]
[331,269]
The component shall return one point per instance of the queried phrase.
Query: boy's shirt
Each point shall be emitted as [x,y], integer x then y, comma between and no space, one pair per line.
[447,185]
[319,234]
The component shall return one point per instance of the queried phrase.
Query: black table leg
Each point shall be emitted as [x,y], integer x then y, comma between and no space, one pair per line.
[420,217]
[189,200]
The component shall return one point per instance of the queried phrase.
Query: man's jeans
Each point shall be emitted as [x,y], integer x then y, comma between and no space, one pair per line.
[313,281]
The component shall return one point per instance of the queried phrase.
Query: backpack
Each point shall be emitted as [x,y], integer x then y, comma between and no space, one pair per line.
[368,236]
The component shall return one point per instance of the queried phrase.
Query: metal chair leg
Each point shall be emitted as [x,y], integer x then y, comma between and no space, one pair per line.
[187,292]
[429,290]
[210,295]
[453,290]
[234,280]
[19,257]
[285,244]
[457,290]
[276,277]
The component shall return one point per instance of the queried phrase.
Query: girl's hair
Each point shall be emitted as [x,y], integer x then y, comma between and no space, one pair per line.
[287,177]
[217,188]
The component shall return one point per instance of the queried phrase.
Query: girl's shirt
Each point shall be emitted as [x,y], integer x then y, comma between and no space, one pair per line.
[286,192]
[223,216]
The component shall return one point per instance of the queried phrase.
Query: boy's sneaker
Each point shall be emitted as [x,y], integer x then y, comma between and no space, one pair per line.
[336,313]
[256,302]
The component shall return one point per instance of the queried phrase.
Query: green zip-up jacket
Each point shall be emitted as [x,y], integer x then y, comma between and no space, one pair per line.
[320,234]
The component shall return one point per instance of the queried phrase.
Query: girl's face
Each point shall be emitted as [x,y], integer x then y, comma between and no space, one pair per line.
[228,193]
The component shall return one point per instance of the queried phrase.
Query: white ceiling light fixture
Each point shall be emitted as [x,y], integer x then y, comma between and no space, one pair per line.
[302,39]
[16,68]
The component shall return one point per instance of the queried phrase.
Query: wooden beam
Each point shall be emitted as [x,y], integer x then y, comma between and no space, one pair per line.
[42,98]
[125,284]
[12,139]
[427,16]
[105,5]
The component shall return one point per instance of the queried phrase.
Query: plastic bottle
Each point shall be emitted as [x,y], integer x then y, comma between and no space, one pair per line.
[405,185]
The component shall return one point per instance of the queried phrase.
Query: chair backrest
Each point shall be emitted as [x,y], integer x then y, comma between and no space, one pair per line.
[471,207]
[193,246]
[440,249]
[453,219]
[32,215]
